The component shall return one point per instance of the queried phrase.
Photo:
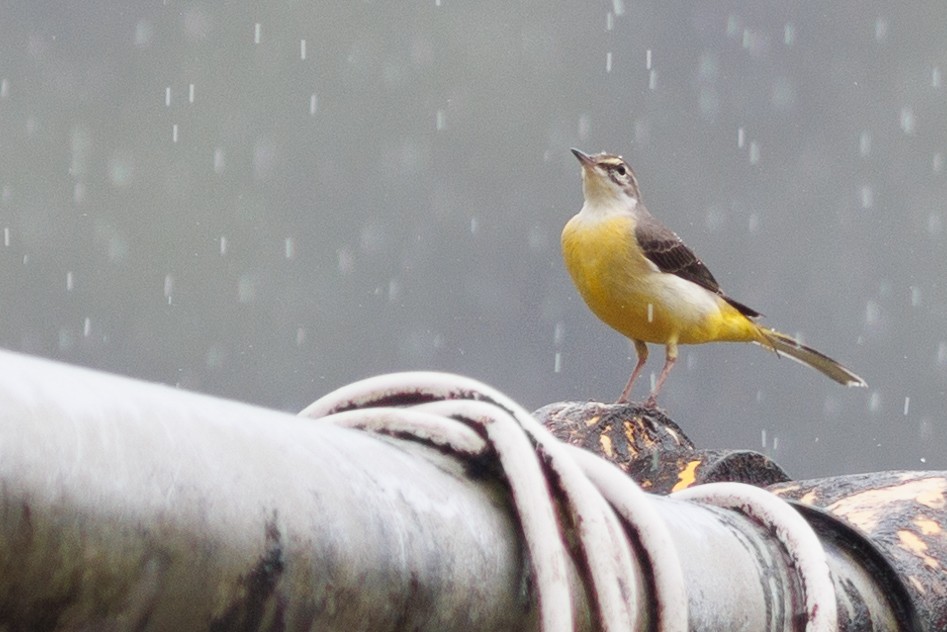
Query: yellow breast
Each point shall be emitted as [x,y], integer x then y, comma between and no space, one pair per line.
[624,289]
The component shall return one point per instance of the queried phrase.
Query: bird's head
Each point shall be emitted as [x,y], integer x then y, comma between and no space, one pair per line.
[607,180]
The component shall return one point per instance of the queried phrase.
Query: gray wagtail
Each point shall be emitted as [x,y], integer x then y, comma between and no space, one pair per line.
[641,280]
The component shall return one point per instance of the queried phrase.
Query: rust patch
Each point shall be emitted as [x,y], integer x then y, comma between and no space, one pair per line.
[916,545]
[686,476]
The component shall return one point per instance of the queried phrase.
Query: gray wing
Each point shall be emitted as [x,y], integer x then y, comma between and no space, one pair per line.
[666,250]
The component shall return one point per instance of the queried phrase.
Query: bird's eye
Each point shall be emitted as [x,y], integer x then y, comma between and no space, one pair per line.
[620,170]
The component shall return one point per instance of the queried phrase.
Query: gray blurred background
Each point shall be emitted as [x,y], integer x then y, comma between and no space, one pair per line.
[266,201]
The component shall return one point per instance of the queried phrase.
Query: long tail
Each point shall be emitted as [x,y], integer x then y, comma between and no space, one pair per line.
[784,345]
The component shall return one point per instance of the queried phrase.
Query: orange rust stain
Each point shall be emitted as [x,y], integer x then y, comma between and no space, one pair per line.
[686,477]
[810,497]
[913,543]
[630,436]
[867,508]
[918,585]
[606,442]
[933,498]
[927,526]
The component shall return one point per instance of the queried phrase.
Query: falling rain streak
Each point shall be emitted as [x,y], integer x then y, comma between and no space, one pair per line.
[864,144]
[754,152]
[256,33]
[302,49]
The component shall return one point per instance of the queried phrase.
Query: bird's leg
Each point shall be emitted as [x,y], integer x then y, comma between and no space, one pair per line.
[642,350]
[652,401]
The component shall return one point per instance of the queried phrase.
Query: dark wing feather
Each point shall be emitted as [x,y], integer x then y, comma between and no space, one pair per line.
[666,250]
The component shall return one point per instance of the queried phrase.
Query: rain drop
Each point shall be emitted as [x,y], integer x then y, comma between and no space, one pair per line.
[86,327]
[874,402]
[70,284]
[440,120]
[223,246]
[937,162]
[394,290]
[302,49]
[346,260]
[867,197]
[174,133]
[219,163]
[864,144]
[618,6]
[934,224]
[144,31]
[907,120]
[881,29]
[289,248]
[789,34]
[246,289]
[78,193]
[907,405]
[647,59]
[872,313]
[190,93]
[168,287]
[754,152]
[608,61]
[753,223]
[167,97]
[558,333]
[256,33]
[935,77]
[313,104]
[6,236]
[585,123]
[741,137]
[557,362]
[653,80]
[915,296]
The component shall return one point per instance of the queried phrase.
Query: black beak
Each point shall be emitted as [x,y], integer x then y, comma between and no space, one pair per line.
[583,157]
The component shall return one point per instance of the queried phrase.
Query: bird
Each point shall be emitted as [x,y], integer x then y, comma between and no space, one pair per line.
[640,279]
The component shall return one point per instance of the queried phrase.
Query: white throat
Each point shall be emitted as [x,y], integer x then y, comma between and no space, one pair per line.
[601,207]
